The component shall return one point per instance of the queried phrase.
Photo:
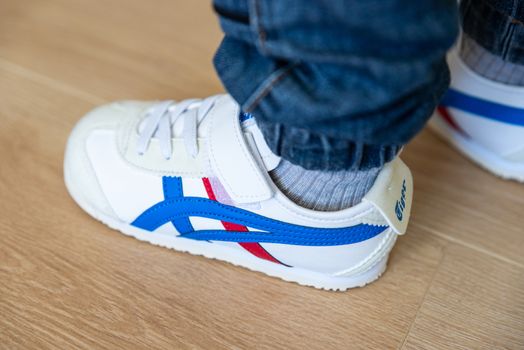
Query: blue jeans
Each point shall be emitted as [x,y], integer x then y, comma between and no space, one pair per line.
[337,84]
[497,25]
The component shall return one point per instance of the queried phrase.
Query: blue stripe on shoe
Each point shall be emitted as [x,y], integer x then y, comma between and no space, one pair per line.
[483,108]
[274,231]
[173,189]
[358,233]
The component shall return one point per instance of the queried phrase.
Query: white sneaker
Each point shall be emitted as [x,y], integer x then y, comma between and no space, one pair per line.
[193,176]
[484,120]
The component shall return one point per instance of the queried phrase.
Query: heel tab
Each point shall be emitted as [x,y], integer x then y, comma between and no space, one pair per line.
[392,194]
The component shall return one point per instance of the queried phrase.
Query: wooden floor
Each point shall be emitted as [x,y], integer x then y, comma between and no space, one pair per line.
[455,280]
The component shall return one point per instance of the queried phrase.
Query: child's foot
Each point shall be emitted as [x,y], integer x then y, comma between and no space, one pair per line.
[192,176]
[484,120]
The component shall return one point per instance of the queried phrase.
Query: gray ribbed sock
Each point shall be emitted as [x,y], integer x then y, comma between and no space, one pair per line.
[489,65]
[323,190]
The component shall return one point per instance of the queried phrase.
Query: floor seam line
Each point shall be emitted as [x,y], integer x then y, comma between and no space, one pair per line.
[472,247]
[430,284]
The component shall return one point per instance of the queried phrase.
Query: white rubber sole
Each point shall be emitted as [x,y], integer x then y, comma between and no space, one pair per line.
[478,154]
[238,257]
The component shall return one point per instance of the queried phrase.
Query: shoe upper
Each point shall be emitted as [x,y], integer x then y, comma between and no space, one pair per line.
[488,113]
[204,176]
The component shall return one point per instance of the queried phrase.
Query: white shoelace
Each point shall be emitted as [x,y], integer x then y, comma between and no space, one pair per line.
[161,117]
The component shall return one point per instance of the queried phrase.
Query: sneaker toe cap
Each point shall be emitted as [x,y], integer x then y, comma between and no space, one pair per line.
[80,176]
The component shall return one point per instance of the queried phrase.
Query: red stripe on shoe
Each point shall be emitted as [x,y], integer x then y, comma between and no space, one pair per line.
[446,116]
[253,247]
[209,189]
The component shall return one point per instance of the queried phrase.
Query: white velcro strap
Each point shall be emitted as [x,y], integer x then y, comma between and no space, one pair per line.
[392,194]
[231,159]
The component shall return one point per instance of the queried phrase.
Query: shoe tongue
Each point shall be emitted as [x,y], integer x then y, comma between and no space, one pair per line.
[238,154]
[252,134]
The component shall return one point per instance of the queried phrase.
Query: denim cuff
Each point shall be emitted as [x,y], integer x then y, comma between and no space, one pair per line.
[329,87]
[320,152]
[496,25]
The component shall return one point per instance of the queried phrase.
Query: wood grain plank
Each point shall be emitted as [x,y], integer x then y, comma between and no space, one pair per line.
[475,302]
[457,200]
[120,49]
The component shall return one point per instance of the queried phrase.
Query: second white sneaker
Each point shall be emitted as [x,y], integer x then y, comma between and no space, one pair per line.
[484,120]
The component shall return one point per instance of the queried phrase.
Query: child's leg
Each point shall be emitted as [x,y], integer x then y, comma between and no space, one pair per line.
[335,85]
[493,40]
[482,115]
